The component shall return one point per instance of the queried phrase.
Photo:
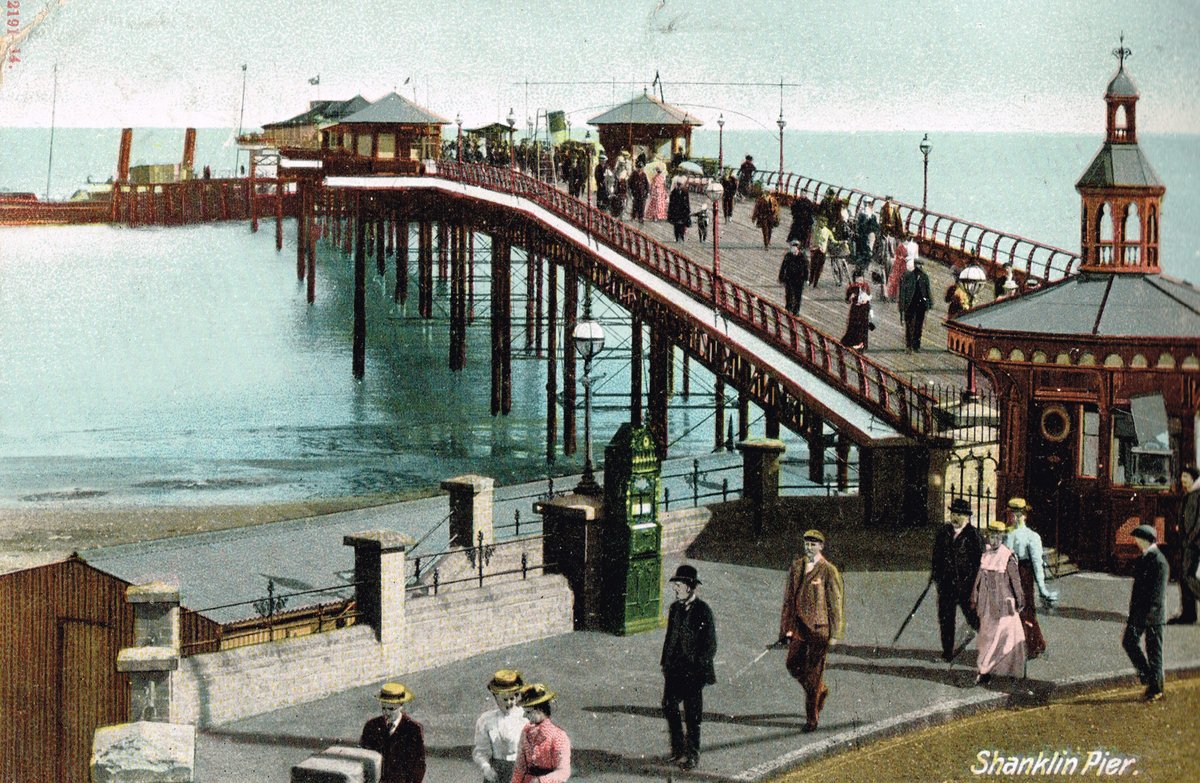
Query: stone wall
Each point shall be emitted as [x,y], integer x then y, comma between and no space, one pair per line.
[224,686]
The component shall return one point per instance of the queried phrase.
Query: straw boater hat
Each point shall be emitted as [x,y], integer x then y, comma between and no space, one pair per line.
[814,535]
[506,681]
[536,694]
[686,574]
[1017,504]
[394,693]
[996,526]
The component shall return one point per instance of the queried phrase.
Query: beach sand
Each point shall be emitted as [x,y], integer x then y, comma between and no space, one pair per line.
[36,536]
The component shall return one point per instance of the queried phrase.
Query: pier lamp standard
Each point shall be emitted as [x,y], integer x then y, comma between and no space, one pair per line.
[971,278]
[589,341]
[714,192]
[721,144]
[925,148]
[458,120]
[781,123]
[587,139]
[512,130]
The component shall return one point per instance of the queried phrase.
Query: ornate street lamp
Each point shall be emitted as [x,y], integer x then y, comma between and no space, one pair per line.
[781,123]
[512,130]
[925,148]
[971,278]
[458,120]
[714,192]
[721,145]
[589,341]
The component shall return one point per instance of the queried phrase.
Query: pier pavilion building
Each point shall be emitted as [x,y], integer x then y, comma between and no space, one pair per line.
[645,124]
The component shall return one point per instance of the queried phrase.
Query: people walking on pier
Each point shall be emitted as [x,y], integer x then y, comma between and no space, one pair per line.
[729,187]
[957,548]
[656,205]
[1026,544]
[866,234]
[601,176]
[858,323]
[1189,545]
[766,215]
[396,736]
[679,210]
[622,171]
[639,189]
[899,267]
[891,225]
[1147,612]
[820,248]
[915,301]
[687,665]
[793,273]
[829,207]
[746,175]
[998,601]
[544,754]
[802,219]
[498,731]
[616,199]
[811,622]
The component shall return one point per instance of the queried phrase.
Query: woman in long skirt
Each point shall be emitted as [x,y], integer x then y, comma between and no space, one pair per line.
[858,325]
[997,599]
[656,205]
[899,266]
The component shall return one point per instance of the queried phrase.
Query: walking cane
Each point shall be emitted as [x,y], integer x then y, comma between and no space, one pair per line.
[757,658]
[913,613]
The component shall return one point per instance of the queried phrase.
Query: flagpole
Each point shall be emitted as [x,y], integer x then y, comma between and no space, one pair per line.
[53,106]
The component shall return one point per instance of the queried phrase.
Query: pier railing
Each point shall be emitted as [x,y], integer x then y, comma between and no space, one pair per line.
[877,388]
[944,238]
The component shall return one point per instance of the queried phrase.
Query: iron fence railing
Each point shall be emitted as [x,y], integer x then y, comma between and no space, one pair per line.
[970,476]
[972,416]
[1037,261]
[480,557]
[703,485]
[877,388]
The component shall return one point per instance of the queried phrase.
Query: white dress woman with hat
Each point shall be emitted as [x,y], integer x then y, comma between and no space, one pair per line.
[998,600]
[687,665]
[396,736]
[544,755]
[498,731]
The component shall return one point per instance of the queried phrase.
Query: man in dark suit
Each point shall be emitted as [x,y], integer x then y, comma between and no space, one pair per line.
[1189,545]
[957,549]
[1146,612]
[687,665]
[396,737]
[915,301]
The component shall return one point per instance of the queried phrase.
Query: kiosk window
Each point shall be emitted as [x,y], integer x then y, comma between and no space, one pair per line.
[1089,444]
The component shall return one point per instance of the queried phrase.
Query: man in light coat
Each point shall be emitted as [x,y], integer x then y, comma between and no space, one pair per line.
[811,622]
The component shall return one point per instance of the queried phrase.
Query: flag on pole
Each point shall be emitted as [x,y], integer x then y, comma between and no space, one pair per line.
[315,80]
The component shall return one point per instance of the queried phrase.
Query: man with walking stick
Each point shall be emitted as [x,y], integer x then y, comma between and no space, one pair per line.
[957,550]
[811,622]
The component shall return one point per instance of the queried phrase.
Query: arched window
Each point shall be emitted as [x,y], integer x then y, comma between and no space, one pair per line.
[1120,121]
[1152,226]
[1131,235]
[1104,233]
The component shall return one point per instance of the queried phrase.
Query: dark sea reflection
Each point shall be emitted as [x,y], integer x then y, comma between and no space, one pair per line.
[183,365]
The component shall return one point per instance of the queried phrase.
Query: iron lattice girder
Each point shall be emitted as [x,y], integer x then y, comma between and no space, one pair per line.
[771,390]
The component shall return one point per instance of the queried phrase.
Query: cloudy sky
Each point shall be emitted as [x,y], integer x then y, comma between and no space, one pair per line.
[895,65]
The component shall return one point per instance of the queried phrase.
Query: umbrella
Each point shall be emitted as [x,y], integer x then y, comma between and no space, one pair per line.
[690,167]
[654,167]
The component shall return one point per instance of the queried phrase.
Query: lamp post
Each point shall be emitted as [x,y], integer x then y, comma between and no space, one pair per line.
[589,341]
[781,123]
[714,192]
[720,146]
[971,278]
[925,148]
[587,139]
[458,119]
[512,130]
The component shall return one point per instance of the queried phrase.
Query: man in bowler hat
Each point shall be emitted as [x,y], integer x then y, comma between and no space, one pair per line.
[687,665]
[396,737]
[957,549]
[811,622]
[1147,613]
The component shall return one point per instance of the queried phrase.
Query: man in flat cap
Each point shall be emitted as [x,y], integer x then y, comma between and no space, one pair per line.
[498,731]
[1146,612]
[687,665]
[1026,544]
[957,549]
[811,622]
[396,737]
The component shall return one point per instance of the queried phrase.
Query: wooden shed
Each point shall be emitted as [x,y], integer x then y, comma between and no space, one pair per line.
[644,125]
[61,626]
[390,136]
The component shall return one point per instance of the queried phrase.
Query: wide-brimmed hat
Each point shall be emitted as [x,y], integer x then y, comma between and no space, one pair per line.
[535,694]
[814,535]
[996,526]
[506,681]
[686,574]
[960,506]
[1017,504]
[394,693]
[1145,532]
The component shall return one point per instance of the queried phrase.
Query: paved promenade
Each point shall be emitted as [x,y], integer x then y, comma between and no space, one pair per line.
[609,687]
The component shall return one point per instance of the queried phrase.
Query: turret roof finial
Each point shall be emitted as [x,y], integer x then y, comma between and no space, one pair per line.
[1121,52]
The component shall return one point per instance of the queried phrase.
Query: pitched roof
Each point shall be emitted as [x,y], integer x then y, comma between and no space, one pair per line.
[393,109]
[1105,305]
[320,112]
[644,110]
[1120,165]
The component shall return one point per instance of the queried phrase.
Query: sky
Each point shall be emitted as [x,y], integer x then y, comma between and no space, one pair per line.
[1038,65]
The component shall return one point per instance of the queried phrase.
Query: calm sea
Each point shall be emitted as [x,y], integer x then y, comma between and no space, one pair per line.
[178,366]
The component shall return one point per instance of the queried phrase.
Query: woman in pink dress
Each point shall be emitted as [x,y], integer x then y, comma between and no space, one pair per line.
[656,205]
[998,599]
[899,264]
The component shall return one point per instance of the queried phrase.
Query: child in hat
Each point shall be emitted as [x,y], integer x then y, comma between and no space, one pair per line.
[396,736]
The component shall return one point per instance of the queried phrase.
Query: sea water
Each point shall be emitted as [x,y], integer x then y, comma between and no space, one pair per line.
[183,365]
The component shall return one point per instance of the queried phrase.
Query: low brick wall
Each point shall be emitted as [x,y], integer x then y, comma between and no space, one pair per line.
[220,687]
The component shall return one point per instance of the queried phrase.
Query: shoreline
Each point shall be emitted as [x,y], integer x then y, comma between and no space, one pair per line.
[37,536]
